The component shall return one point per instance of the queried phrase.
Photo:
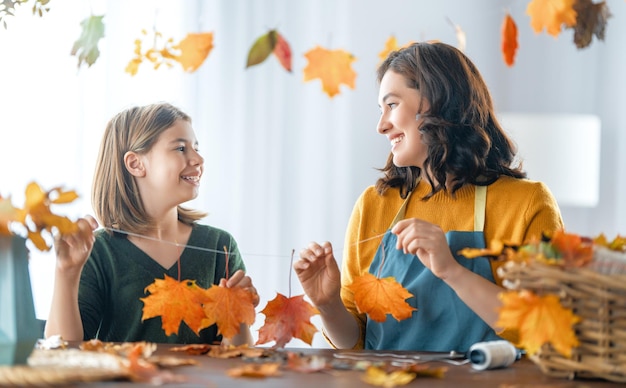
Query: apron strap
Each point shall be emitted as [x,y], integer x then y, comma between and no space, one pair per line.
[480,207]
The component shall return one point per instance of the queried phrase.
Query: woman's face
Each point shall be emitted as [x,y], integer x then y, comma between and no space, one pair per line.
[399,105]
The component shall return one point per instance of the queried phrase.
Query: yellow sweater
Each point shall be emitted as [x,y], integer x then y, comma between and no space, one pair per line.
[517,210]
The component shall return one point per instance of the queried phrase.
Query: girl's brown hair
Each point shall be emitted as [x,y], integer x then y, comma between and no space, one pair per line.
[461,131]
[115,196]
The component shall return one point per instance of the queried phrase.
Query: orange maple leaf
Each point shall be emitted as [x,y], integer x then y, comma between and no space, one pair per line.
[379,377]
[8,214]
[379,297]
[228,307]
[551,15]
[573,250]
[509,40]
[286,318]
[174,302]
[539,320]
[332,67]
[194,49]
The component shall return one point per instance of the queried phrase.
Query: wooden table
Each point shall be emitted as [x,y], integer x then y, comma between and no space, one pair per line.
[210,372]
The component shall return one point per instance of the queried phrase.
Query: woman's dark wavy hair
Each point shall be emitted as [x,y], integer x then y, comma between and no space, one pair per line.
[463,136]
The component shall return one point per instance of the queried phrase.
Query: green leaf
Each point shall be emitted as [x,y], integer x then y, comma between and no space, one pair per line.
[87,45]
[262,48]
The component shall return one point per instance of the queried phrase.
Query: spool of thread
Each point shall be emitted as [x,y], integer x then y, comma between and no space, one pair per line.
[492,354]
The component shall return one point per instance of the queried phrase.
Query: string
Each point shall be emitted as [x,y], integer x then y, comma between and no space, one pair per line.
[176,243]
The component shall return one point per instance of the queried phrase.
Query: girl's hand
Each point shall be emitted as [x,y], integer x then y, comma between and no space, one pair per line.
[73,249]
[240,279]
[319,274]
[428,242]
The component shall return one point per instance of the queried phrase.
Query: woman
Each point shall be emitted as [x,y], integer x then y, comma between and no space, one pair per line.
[449,183]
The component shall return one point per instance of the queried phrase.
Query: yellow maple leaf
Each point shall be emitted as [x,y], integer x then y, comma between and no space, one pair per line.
[551,15]
[539,320]
[391,45]
[332,67]
[174,302]
[8,214]
[194,49]
[380,378]
[228,307]
[379,297]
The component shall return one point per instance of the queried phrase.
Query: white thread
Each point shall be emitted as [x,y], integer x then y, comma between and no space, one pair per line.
[215,250]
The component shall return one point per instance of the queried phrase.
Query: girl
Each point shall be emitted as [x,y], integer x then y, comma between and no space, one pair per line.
[449,183]
[148,165]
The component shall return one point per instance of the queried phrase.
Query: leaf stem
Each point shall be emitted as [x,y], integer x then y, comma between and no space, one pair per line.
[226,253]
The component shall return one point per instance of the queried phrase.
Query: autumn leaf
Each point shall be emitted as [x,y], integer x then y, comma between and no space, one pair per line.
[8,214]
[266,44]
[194,49]
[461,38]
[174,302]
[282,51]
[539,320]
[495,249]
[267,369]
[379,297]
[286,318]
[306,364]
[86,47]
[332,67]
[617,244]
[551,15]
[591,20]
[159,52]
[571,248]
[228,307]
[380,378]
[509,40]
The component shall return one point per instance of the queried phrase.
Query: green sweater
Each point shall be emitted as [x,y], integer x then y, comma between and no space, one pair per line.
[117,273]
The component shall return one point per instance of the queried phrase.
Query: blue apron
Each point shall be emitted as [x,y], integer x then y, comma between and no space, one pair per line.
[442,322]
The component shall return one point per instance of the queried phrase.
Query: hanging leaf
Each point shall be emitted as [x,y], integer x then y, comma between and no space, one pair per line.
[332,67]
[539,320]
[7,8]
[228,308]
[286,318]
[591,20]
[461,38]
[509,40]
[282,51]
[175,302]
[160,52]
[551,15]
[262,48]
[391,45]
[379,297]
[86,47]
[194,49]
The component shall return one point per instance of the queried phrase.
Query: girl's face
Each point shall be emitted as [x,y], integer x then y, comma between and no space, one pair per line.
[173,167]
[399,106]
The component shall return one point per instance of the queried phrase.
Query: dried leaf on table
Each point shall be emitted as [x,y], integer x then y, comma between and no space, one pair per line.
[228,307]
[379,297]
[306,364]
[380,378]
[591,20]
[194,49]
[255,370]
[286,318]
[86,47]
[551,15]
[509,40]
[175,302]
[539,320]
[332,67]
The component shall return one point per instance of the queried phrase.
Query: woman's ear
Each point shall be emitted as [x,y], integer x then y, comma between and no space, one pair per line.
[133,164]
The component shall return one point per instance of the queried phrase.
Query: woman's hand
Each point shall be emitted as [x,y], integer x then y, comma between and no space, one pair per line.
[73,249]
[428,242]
[319,274]
[240,279]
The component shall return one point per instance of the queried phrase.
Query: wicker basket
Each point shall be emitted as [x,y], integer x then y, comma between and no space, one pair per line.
[598,299]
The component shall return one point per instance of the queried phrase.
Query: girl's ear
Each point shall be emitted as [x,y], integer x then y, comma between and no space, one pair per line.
[133,164]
